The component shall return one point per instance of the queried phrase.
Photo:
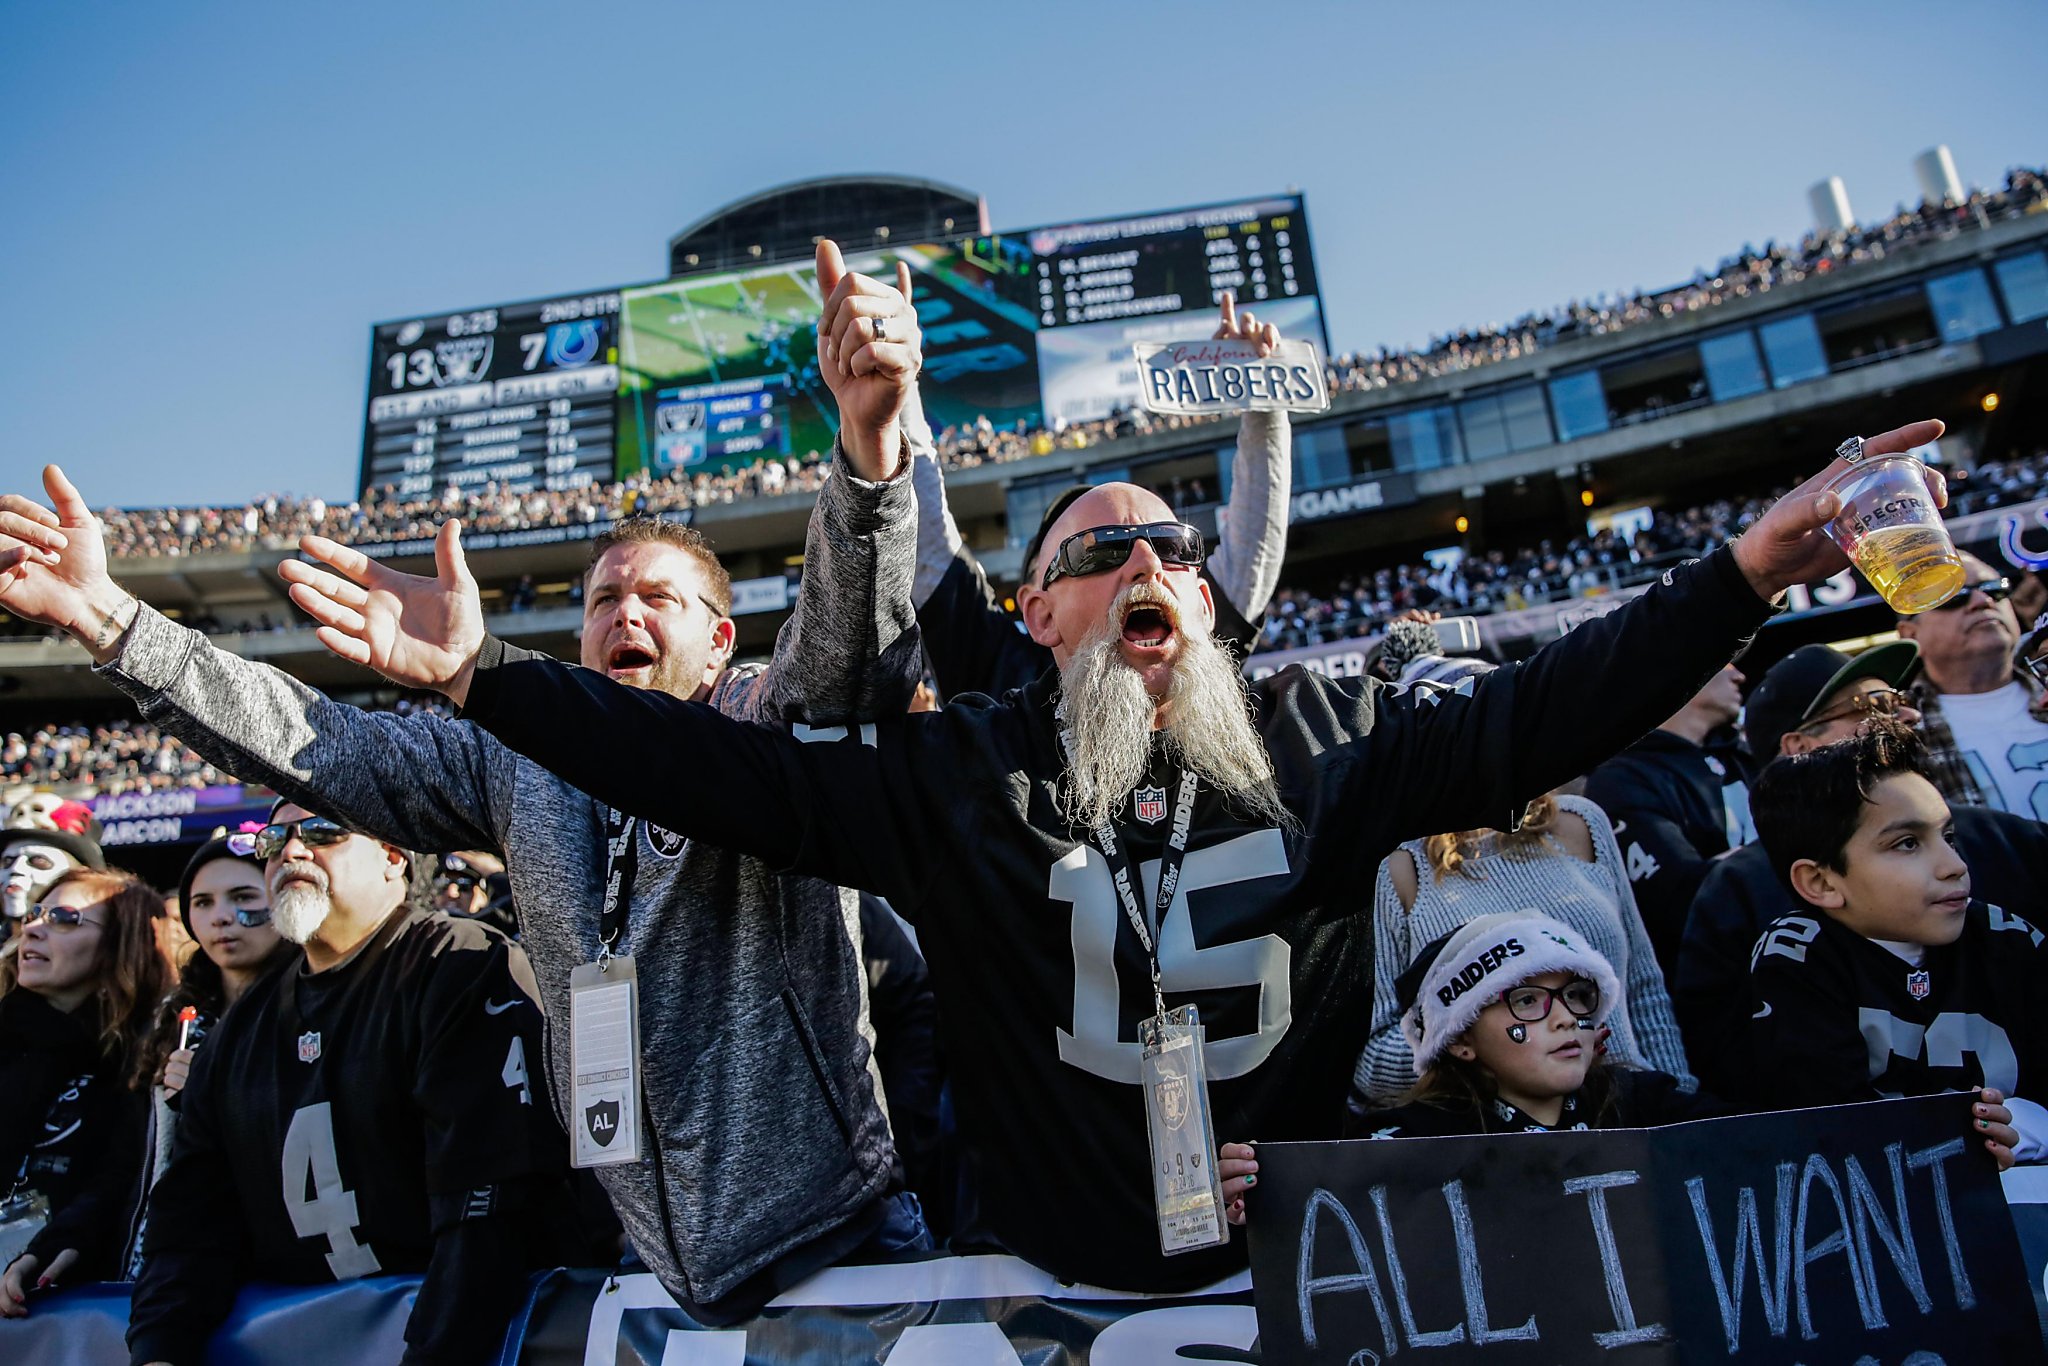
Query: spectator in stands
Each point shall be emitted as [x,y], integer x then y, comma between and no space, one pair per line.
[741,1195]
[1561,862]
[1986,720]
[30,861]
[472,884]
[1813,697]
[1307,789]
[977,646]
[1677,801]
[225,908]
[1510,1048]
[76,999]
[389,1066]
[1893,980]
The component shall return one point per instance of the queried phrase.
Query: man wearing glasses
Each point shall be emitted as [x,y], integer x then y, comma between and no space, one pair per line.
[1985,721]
[1814,697]
[368,1110]
[1138,828]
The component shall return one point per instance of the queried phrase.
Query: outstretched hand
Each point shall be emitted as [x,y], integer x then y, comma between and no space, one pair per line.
[869,352]
[1789,545]
[416,631]
[1236,326]
[53,566]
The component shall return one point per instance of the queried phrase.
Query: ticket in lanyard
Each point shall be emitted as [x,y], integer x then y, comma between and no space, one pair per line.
[604,1061]
[1186,1190]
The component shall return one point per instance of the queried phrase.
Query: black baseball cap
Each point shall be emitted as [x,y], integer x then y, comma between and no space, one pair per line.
[1793,691]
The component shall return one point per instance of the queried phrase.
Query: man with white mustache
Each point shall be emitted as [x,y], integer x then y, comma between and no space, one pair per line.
[979,823]
[366,1110]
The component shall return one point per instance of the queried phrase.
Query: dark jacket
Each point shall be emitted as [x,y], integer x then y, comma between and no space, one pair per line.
[1628,1099]
[1741,896]
[71,1129]
[768,1142]
[1672,803]
[954,817]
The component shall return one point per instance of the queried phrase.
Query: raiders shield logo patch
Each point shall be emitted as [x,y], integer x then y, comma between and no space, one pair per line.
[309,1046]
[666,843]
[1172,1095]
[1919,985]
[602,1119]
[1149,804]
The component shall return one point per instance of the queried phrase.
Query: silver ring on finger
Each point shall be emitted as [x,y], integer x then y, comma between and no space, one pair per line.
[881,329]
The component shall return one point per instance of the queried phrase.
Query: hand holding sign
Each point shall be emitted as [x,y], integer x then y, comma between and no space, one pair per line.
[1245,328]
[1244,367]
[1238,1165]
[869,352]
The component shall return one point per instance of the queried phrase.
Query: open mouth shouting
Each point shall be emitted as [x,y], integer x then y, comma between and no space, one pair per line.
[629,656]
[1150,622]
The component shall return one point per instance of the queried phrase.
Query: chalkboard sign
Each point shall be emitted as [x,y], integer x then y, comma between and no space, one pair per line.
[1870,1235]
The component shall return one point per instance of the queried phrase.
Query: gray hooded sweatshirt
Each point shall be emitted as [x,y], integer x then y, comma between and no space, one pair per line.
[762,1103]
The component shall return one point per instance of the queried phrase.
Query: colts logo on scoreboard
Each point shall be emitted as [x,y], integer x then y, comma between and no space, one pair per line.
[1151,804]
[572,344]
[462,360]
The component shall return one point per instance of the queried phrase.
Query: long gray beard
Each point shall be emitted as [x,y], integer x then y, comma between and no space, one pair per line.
[1108,714]
[298,911]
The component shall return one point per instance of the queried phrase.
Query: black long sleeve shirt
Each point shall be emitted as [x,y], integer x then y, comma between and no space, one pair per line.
[953,817]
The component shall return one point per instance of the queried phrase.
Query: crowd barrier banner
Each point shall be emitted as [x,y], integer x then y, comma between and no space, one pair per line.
[996,1311]
[1859,1234]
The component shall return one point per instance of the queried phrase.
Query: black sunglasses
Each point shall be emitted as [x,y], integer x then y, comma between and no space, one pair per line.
[317,831]
[1998,590]
[64,917]
[1102,548]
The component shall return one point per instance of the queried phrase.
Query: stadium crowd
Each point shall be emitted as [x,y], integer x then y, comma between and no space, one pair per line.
[276,521]
[654,820]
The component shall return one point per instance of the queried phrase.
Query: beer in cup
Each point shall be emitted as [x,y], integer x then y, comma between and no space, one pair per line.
[1892,532]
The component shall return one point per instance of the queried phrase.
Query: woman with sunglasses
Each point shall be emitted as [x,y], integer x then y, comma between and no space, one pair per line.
[76,997]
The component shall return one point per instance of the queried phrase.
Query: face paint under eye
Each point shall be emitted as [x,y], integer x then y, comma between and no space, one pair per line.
[1519,1033]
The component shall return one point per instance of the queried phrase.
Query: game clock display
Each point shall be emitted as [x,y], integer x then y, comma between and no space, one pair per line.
[519,398]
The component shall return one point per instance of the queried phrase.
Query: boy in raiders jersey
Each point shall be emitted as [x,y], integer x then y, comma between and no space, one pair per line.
[366,1111]
[1895,982]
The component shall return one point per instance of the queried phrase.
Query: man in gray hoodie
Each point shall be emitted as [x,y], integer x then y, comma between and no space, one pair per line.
[770,1155]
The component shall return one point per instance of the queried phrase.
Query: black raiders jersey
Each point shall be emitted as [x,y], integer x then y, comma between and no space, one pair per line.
[1040,979]
[1837,1018]
[337,1122]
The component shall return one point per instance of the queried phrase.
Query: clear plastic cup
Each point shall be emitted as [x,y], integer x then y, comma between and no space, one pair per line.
[1892,532]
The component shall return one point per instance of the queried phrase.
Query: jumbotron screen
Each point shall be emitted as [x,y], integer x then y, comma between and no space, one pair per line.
[707,372]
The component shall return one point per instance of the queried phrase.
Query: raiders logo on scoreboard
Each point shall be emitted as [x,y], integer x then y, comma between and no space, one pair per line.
[462,360]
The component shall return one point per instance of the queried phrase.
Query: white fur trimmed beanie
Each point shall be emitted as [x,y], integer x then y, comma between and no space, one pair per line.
[1459,974]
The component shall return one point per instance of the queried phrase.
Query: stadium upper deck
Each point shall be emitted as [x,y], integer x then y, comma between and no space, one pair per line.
[1487,439]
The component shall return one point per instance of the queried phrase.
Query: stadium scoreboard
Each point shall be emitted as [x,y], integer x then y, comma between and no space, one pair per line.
[1166,263]
[522,396]
[712,371]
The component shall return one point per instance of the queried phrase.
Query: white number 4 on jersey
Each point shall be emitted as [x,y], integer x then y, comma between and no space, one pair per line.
[310,1163]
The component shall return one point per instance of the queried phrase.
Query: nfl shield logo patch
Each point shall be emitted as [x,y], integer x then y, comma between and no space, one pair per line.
[1150,804]
[309,1047]
[1919,984]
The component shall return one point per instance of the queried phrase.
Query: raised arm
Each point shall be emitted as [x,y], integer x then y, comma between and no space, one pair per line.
[850,650]
[1475,757]
[1252,542]
[418,781]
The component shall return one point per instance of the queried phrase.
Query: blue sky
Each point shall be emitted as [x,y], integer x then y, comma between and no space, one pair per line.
[206,206]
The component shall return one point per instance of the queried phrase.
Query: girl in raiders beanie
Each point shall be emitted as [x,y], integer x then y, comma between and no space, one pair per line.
[1504,1015]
